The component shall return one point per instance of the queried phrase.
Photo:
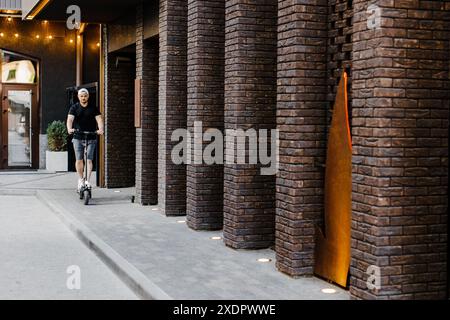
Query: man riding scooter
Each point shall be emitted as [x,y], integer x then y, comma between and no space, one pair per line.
[84,116]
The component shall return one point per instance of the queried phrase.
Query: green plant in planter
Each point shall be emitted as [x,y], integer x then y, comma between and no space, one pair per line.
[57,136]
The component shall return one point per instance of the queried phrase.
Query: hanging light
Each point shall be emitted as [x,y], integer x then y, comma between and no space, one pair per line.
[16,35]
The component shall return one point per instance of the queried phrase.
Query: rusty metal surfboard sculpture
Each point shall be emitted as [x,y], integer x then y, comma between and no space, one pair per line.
[332,254]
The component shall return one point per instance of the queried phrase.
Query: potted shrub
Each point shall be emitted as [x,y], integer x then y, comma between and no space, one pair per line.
[56,155]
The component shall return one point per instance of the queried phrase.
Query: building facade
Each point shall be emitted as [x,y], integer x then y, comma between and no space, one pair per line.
[275,64]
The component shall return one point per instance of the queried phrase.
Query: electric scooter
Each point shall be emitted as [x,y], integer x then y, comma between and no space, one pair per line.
[85,190]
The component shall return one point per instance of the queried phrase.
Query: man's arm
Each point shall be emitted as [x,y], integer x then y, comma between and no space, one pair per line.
[99,120]
[69,123]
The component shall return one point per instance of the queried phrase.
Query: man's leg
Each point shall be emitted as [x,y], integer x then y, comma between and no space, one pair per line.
[90,156]
[90,166]
[79,165]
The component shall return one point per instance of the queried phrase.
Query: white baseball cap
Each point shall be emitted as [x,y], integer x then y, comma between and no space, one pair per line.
[83,90]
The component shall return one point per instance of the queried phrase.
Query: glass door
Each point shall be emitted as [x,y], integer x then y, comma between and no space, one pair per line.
[18,127]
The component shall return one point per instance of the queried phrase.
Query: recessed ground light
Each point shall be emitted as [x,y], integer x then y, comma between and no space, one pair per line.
[117,191]
[328,290]
[154,209]
[264,260]
[181,221]
[216,238]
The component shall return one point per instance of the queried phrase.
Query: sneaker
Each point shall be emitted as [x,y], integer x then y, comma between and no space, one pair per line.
[88,185]
[80,184]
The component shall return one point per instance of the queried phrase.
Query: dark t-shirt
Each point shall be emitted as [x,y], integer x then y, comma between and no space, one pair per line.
[84,118]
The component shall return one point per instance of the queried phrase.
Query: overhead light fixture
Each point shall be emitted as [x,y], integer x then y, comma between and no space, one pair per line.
[2,34]
[50,37]
[328,290]
[38,36]
[9,19]
[16,35]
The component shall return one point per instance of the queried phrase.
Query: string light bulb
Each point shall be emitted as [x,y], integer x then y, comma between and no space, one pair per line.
[16,35]
[38,36]
[9,19]
[50,37]
[2,34]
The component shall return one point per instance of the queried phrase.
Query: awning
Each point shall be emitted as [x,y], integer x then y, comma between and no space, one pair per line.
[10,7]
[92,11]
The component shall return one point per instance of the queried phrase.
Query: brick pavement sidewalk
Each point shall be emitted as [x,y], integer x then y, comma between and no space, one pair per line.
[158,256]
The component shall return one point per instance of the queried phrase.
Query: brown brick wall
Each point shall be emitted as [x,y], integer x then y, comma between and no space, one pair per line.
[301,120]
[339,49]
[172,103]
[400,153]
[232,65]
[250,101]
[206,39]
[147,69]
[120,137]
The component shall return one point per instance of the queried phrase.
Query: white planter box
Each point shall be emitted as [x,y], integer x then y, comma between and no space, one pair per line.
[56,161]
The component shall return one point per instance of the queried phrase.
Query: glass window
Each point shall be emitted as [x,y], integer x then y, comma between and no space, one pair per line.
[17,69]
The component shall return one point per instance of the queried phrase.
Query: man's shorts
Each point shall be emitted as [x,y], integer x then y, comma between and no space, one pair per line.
[78,146]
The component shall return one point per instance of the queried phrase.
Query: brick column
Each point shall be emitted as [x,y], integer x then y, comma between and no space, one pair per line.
[400,138]
[172,103]
[250,101]
[206,39]
[147,69]
[301,119]
[120,135]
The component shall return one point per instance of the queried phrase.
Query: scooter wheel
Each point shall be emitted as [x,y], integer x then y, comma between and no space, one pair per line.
[86,197]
